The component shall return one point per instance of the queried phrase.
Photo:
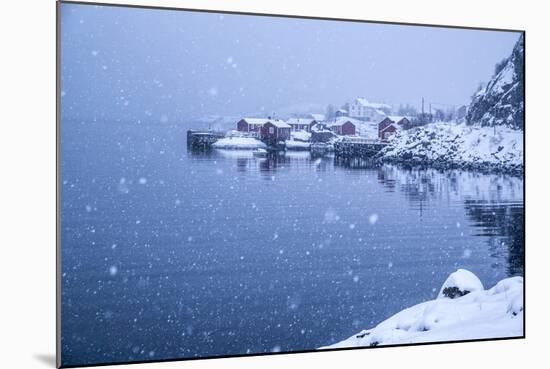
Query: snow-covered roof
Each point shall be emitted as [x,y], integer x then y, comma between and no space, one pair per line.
[320,128]
[299,121]
[366,103]
[260,121]
[341,120]
[397,127]
[278,123]
[398,118]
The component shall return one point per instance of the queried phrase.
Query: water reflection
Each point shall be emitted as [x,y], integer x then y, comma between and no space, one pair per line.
[355,163]
[269,164]
[493,203]
[503,226]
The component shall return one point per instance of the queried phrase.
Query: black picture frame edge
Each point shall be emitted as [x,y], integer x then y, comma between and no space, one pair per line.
[235,12]
[58,178]
[341,349]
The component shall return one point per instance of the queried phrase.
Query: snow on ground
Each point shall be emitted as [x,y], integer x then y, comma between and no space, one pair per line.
[236,143]
[300,135]
[297,145]
[368,129]
[470,312]
[459,144]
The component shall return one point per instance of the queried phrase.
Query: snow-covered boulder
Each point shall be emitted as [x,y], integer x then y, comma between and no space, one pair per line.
[460,283]
[493,313]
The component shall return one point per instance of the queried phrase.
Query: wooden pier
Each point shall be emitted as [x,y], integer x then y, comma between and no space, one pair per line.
[202,140]
[358,147]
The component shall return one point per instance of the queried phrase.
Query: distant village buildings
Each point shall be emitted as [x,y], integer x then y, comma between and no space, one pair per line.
[343,126]
[275,130]
[391,124]
[363,109]
[301,124]
[341,113]
[251,124]
[321,133]
[265,128]
[361,118]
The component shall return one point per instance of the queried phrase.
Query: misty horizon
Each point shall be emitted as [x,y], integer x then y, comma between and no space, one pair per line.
[129,63]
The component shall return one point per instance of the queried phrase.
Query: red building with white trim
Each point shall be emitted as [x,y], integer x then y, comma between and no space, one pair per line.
[275,130]
[251,124]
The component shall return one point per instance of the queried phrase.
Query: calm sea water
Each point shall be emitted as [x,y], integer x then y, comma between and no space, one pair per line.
[172,254]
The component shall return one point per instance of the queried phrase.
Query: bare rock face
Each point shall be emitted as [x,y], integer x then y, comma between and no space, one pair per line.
[501,102]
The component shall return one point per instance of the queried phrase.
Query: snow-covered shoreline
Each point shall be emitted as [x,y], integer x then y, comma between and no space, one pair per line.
[239,143]
[452,146]
[463,310]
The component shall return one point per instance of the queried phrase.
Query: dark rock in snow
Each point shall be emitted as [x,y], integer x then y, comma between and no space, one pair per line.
[452,292]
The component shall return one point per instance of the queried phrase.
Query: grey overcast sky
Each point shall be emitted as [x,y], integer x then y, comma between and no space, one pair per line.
[130,63]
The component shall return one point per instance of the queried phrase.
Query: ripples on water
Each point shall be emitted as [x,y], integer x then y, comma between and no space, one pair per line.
[172,254]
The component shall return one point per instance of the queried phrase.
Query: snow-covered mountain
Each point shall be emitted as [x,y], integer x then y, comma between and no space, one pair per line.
[501,101]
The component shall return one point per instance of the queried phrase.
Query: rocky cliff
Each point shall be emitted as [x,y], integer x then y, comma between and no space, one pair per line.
[501,102]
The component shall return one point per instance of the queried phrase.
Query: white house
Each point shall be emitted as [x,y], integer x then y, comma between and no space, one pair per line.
[363,109]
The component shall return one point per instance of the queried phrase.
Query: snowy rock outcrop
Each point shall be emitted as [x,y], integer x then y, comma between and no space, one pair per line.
[493,313]
[460,283]
[451,145]
[501,102]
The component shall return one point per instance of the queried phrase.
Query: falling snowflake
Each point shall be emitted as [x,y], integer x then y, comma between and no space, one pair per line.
[373,218]
[331,216]
[213,91]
